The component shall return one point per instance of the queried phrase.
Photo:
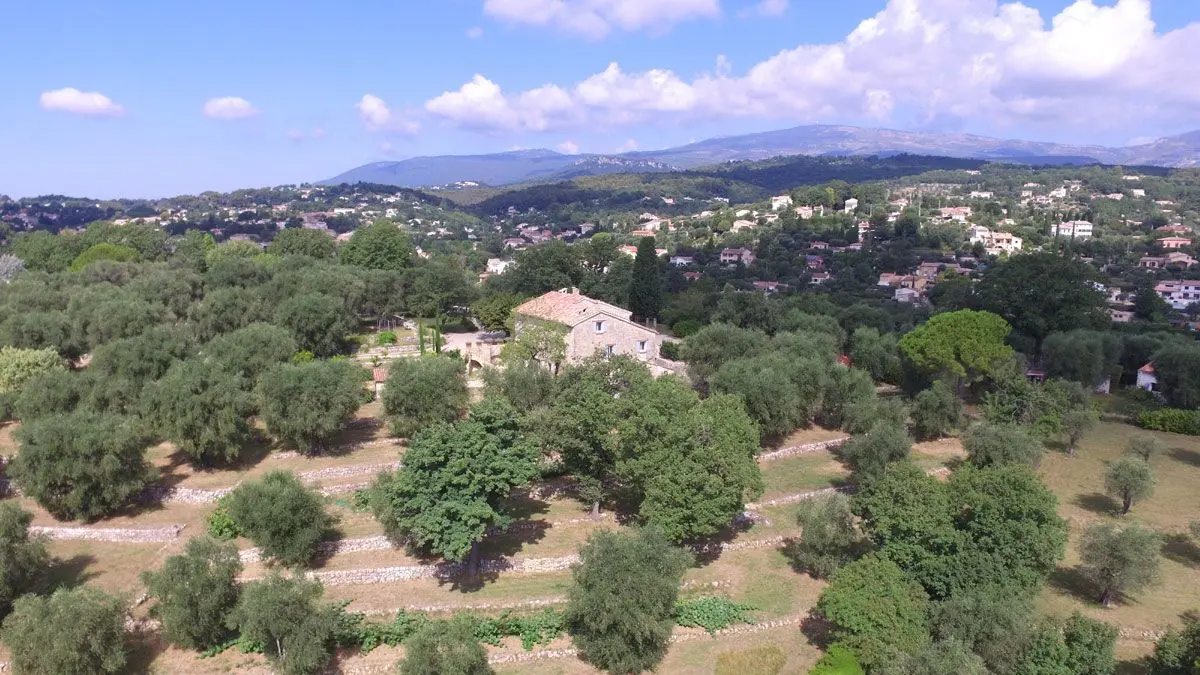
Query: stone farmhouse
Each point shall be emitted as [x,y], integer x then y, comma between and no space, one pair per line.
[593,326]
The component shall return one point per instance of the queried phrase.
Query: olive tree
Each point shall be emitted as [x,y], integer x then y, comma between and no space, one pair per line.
[283,615]
[281,516]
[81,465]
[72,632]
[23,558]
[423,391]
[620,606]
[305,405]
[1130,480]
[195,593]
[1119,559]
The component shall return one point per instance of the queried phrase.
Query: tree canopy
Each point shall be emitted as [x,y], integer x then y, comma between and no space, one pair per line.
[71,632]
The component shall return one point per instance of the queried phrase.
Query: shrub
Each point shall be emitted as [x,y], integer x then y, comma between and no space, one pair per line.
[670,350]
[837,661]
[1172,420]
[386,338]
[711,613]
[221,524]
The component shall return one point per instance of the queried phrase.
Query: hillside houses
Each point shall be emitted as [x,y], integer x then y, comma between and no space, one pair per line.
[1073,229]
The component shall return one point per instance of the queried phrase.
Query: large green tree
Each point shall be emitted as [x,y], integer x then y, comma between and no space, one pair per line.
[281,516]
[829,536]
[870,454]
[72,632]
[695,484]
[645,289]
[195,593]
[202,409]
[382,245]
[987,444]
[305,405]
[18,366]
[82,465]
[936,412]
[965,345]
[620,606]
[1041,293]
[452,489]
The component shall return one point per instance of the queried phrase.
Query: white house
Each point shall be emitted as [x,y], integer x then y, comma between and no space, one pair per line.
[1179,294]
[851,205]
[682,260]
[498,266]
[1075,229]
[1146,379]
[780,202]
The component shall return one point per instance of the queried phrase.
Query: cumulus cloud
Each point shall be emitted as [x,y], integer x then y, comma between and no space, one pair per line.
[229,108]
[926,61]
[377,116]
[597,18]
[90,103]
[568,148]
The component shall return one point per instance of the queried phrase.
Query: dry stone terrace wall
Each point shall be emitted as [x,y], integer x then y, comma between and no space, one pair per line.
[804,449]
[110,534]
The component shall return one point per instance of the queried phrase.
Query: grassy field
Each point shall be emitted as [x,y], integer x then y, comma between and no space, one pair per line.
[1079,484]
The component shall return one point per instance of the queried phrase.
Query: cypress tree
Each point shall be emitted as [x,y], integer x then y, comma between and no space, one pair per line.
[645,289]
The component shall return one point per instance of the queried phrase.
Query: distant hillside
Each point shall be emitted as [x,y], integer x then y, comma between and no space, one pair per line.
[523,166]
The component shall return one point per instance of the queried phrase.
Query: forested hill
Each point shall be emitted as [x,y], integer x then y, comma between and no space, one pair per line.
[735,181]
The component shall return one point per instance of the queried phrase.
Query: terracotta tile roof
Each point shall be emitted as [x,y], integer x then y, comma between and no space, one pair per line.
[1148,369]
[568,307]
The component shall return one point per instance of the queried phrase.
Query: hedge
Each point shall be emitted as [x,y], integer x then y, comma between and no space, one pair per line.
[1173,420]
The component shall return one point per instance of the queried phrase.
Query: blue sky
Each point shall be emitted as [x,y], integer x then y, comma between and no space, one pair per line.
[138,98]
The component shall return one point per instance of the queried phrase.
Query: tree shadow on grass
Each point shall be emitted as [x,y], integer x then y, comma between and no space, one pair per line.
[1189,457]
[1181,549]
[1138,667]
[144,648]
[817,629]
[69,573]
[710,549]
[1070,580]
[1097,503]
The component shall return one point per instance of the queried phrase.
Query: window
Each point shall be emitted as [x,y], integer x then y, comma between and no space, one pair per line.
[601,326]
[641,346]
[609,350]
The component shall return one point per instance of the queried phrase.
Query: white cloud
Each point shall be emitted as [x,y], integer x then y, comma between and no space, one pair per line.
[229,108]
[475,32]
[568,148]
[766,8]
[597,18]
[932,62]
[377,116]
[90,103]
[628,146]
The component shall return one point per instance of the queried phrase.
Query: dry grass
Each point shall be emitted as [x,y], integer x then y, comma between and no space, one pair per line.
[1079,484]
[766,659]
[811,471]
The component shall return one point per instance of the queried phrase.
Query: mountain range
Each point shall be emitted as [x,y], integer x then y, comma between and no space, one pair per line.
[520,166]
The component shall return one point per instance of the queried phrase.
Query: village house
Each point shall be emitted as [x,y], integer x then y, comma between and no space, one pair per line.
[957,213]
[739,225]
[851,205]
[682,260]
[1172,243]
[1179,294]
[593,327]
[497,266]
[1174,228]
[814,261]
[769,287]
[780,202]
[732,256]
[806,212]
[1120,315]
[819,278]
[1146,378]
[1075,229]
[906,295]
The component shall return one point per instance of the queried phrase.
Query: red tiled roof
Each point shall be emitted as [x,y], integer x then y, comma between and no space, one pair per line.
[567,307]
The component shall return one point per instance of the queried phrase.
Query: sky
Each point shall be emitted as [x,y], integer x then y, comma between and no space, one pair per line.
[134,98]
